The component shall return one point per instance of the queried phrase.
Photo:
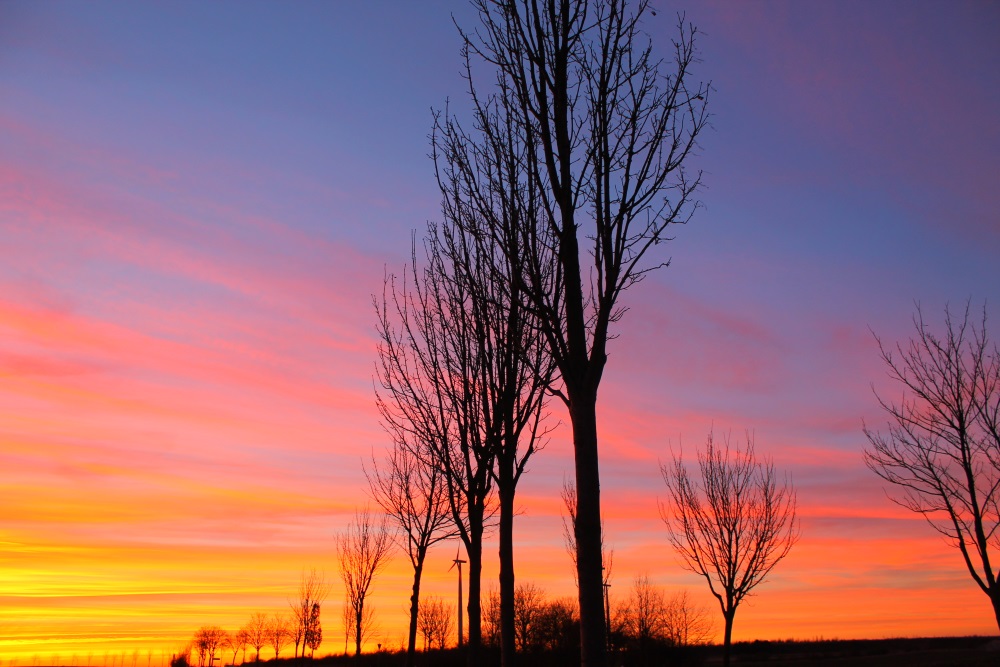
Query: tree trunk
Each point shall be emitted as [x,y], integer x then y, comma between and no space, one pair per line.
[506,492]
[995,599]
[728,641]
[358,616]
[475,552]
[583,414]
[411,648]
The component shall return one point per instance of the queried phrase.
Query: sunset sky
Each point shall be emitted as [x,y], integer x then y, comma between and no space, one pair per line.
[197,201]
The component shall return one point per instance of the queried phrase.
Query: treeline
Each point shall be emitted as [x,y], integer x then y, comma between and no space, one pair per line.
[646,624]
[300,628]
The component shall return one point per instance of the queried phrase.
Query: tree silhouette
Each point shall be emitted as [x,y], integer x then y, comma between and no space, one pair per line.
[279,633]
[733,525]
[256,632]
[235,642]
[942,447]
[431,378]
[435,623]
[313,635]
[208,640]
[515,364]
[411,489]
[363,551]
[313,590]
[596,135]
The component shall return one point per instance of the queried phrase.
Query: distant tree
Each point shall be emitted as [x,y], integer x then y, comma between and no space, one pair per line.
[688,624]
[410,488]
[942,446]
[733,525]
[435,622]
[643,615]
[256,632]
[363,550]
[313,590]
[208,640]
[314,630]
[236,642]
[279,633]
[529,605]
[491,619]
[598,132]
[557,629]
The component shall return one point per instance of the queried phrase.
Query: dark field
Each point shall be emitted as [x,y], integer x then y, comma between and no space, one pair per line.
[929,652]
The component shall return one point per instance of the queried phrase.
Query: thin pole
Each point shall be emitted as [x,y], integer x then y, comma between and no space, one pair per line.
[458,561]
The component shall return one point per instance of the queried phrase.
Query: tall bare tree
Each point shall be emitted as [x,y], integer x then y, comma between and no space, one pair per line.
[313,590]
[411,489]
[363,550]
[731,526]
[596,133]
[942,445]
[515,365]
[430,377]
[466,348]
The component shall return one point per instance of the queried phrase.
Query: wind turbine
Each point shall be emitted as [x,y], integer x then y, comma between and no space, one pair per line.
[458,561]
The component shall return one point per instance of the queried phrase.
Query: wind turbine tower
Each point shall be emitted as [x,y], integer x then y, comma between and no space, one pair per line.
[458,561]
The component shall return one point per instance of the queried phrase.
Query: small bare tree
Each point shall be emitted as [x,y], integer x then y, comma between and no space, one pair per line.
[733,525]
[313,635]
[313,590]
[688,624]
[413,492]
[942,448]
[643,614]
[279,633]
[208,640]
[235,642]
[363,550]
[256,632]
[436,621]
[529,605]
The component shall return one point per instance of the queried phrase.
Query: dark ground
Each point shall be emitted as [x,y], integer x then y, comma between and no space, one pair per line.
[929,652]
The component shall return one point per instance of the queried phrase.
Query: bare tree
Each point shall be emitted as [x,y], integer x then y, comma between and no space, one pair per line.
[436,622]
[256,632]
[313,590]
[584,110]
[208,640]
[363,550]
[688,624]
[279,633]
[413,492]
[557,628]
[733,525]
[430,374]
[643,614]
[236,642]
[529,605]
[942,447]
